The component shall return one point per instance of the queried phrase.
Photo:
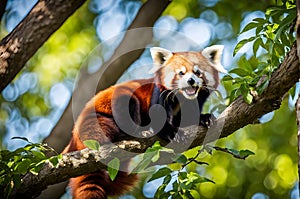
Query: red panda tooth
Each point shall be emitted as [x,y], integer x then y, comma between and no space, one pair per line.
[190,90]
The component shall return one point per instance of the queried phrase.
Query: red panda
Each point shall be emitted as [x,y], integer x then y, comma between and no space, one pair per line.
[181,79]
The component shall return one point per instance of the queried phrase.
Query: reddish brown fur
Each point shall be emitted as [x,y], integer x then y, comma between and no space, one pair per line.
[104,130]
[99,118]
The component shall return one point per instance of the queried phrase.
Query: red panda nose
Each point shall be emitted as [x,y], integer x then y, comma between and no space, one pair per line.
[191,81]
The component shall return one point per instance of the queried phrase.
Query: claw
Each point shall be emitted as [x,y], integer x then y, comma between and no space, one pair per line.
[206,120]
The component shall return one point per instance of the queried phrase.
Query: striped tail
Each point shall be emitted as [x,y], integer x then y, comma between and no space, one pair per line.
[98,185]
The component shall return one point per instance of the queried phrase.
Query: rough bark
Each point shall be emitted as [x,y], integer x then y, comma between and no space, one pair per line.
[237,115]
[30,34]
[71,165]
[88,84]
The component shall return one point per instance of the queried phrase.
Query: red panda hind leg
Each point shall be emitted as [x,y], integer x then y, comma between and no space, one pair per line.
[98,185]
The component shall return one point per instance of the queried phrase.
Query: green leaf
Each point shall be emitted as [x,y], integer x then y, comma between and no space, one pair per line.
[147,159]
[246,94]
[160,173]
[113,168]
[249,98]
[250,26]
[195,178]
[260,20]
[292,91]
[152,154]
[4,167]
[23,166]
[5,155]
[227,78]
[242,154]
[39,155]
[182,159]
[17,180]
[92,144]
[182,175]
[259,30]
[156,146]
[167,150]
[195,194]
[239,46]
[167,179]
[240,72]
[155,157]
[256,45]
[36,169]
[284,24]
[175,185]
[160,191]
[245,153]
[54,160]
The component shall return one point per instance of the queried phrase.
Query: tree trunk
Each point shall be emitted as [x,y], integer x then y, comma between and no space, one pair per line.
[31,33]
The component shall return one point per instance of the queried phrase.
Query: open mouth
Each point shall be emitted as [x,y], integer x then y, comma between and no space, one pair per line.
[190,91]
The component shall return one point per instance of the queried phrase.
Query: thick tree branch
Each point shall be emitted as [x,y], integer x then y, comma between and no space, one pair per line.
[71,165]
[31,33]
[237,115]
[132,46]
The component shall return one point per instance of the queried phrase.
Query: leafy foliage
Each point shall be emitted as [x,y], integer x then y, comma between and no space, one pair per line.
[274,35]
[184,183]
[15,164]
[152,154]
[272,171]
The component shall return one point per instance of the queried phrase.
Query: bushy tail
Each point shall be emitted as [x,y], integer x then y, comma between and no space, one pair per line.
[98,185]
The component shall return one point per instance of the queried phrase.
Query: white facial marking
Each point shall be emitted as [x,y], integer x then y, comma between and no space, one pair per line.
[210,79]
[169,79]
[189,92]
[196,68]
[181,71]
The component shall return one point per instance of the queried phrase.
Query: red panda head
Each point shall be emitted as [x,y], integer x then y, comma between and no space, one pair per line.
[188,72]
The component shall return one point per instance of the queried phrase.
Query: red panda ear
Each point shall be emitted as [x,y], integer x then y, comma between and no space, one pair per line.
[159,56]
[214,54]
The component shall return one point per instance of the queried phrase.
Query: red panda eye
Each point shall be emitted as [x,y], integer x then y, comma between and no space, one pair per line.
[197,72]
[181,73]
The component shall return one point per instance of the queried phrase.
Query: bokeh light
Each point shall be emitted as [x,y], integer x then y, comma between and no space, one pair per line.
[34,101]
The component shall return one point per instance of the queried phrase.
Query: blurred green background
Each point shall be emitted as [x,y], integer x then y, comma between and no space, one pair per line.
[33,102]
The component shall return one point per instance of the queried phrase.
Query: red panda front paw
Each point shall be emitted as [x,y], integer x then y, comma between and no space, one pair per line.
[207,120]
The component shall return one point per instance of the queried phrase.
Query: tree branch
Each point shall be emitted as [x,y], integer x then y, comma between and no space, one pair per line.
[126,53]
[237,115]
[31,33]
[71,165]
